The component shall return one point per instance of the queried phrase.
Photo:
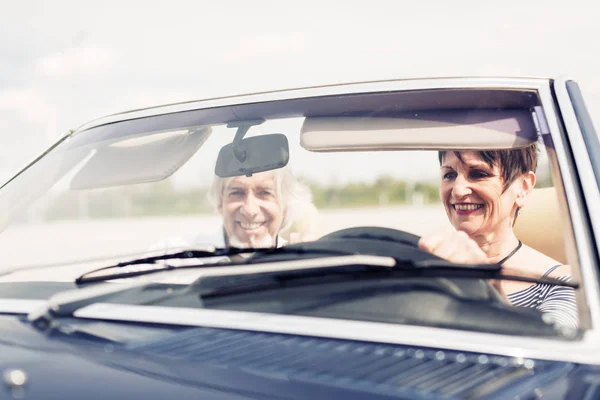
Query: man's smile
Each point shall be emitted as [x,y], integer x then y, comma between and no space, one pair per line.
[250,225]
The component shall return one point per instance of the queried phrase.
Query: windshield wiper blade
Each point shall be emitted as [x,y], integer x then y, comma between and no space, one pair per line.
[219,286]
[491,271]
[152,265]
[64,304]
[428,267]
[268,274]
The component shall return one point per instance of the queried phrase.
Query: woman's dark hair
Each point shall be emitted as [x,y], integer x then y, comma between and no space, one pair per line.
[512,163]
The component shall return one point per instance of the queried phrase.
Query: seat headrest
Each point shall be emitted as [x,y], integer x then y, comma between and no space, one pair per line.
[540,226]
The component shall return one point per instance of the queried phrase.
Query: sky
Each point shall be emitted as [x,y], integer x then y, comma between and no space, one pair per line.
[65,62]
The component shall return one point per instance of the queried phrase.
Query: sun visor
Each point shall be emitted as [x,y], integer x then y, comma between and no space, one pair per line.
[447,130]
[139,159]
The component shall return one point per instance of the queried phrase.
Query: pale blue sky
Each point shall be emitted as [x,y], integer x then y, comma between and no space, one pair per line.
[65,62]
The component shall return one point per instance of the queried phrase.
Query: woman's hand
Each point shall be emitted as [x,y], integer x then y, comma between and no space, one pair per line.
[454,246]
[459,248]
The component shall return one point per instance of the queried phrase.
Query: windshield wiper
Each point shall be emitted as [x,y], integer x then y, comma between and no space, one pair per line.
[264,273]
[429,267]
[236,278]
[153,266]
[227,285]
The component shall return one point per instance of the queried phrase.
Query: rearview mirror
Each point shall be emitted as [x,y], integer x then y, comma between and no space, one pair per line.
[252,155]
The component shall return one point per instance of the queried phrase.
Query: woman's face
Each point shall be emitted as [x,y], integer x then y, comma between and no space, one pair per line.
[251,212]
[474,195]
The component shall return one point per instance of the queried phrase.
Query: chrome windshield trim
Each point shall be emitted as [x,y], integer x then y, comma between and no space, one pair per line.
[189,275]
[20,306]
[293,265]
[587,268]
[348,88]
[450,339]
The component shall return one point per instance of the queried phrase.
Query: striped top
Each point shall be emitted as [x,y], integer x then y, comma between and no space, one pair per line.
[556,301]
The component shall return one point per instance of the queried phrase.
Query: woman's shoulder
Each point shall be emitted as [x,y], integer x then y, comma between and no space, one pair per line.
[539,263]
[560,271]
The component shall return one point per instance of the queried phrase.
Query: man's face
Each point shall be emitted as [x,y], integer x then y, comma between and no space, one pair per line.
[251,211]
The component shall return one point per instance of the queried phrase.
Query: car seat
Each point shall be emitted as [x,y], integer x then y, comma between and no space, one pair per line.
[540,225]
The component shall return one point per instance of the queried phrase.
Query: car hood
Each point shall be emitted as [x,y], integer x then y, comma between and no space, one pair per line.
[162,362]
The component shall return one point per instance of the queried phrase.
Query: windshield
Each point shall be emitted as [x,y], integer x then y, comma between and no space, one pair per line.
[331,191]
[148,186]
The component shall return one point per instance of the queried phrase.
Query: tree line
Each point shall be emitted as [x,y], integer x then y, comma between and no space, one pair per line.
[163,199]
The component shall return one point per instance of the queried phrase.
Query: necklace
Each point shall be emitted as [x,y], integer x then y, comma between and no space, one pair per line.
[512,253]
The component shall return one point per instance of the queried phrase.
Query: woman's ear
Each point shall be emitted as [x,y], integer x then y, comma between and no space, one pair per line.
[526,187]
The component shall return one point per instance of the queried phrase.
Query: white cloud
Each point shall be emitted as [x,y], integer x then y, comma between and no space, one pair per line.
[30,105]
[187,50]
[86,59]
[258,46]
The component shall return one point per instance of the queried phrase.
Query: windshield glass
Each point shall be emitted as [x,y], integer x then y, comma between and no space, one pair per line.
[148,185]
[328,192]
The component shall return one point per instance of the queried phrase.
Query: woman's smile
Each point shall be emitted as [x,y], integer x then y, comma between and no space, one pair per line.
[466,208]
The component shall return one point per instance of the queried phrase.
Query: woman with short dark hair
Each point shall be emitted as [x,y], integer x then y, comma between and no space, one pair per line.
[483,193]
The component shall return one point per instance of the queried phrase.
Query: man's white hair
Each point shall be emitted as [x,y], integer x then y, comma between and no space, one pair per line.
[294,197]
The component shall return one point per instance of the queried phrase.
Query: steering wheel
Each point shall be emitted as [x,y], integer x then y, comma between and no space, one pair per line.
[375,240]
[439,301]
[375,233]
[454,300]
[397,243]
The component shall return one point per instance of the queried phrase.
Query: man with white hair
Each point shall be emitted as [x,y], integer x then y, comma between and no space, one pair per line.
[267,209]
[257,209]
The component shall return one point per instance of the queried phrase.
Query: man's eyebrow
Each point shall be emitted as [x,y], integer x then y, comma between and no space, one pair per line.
[235,186]
[266,186]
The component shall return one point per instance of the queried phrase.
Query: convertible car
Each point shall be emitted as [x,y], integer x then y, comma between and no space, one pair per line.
[266,246]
